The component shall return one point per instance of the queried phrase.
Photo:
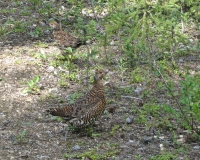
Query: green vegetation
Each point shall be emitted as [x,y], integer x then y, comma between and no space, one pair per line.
[110,150]
[74,96]
[164,156]
[21,138]
[115,128]
[137,75]
[32,87]
[188,107]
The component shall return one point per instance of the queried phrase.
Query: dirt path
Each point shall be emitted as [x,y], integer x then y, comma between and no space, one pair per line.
[45,136]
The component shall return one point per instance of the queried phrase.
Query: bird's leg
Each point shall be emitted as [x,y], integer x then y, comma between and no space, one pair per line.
[66,134]
[64,131]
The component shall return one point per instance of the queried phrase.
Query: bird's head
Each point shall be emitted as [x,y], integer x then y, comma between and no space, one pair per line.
[99,74]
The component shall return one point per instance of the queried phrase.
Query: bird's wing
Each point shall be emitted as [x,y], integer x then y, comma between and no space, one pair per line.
[90,116]
[83,105]
[79,108]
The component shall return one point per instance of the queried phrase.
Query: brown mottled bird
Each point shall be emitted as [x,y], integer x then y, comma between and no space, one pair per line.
[87,109]
[62,38]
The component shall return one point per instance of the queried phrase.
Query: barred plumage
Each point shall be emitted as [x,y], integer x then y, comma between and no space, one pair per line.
[88,109]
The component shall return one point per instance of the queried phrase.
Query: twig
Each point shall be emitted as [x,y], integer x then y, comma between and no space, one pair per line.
[94,11]
[132,97]
[105,43]
[88,58]
[182,23]
[174,98]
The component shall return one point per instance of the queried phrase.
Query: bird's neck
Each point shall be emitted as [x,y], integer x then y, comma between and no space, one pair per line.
[97,82]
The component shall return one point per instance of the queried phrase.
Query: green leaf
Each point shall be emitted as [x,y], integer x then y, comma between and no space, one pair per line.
[36,79]
[69,49]
[70,56]
[31,83]
[93,53]
[23,133]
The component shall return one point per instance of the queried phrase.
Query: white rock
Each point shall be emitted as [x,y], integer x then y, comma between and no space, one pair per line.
[50,69]
[129,120]
[181,60]
[13,4]
[53,90]
[131,141]
[138,89]
[191,40]
[76,147]
[46,32]
[196,147]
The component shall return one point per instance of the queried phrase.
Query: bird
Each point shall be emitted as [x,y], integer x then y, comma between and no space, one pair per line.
[62,38]
[88,109]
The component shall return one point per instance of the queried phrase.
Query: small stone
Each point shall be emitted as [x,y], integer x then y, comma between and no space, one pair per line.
[112,109]
[42,88]
[35,15]
[67,97]
[147,140]
[34,25]
[55,72]
[141,149]
[42,24]
[181,60]
[161,137]
[197,147]
[129,120]
[53,90]
[88,42]
[42,157]
[76,147]
[61,10]
[13,4]
[50,69]
[138,90]
[51,19]
[191,40]
[131,141]
[181,139]
[12,138]
[9,42]
[6,122]
[162,148]
[122,135]
[123,146]
[118,158]
[47,32]
[7,147]
[112,43]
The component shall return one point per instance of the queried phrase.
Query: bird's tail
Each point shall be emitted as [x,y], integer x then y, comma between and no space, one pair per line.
[62,112]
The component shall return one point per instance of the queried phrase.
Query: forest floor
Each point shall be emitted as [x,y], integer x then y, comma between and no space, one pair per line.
[27,132]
